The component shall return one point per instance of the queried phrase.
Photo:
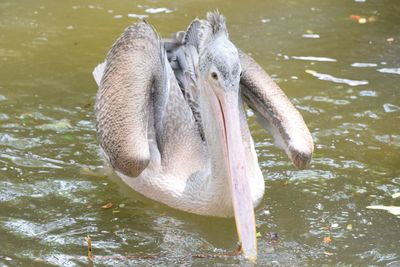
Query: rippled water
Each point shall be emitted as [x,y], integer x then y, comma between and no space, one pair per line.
[342,75]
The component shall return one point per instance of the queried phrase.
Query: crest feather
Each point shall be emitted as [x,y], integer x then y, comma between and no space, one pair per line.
[217,22]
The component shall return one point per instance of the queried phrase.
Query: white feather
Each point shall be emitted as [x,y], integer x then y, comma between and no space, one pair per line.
[98,72]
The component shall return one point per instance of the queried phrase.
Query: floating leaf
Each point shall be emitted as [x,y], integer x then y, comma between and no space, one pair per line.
[327,240]
[358,18]
[107,206]
[349,226]
[258,234]
[355,17]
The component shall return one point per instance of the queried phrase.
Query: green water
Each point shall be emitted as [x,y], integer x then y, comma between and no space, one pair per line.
[52,181]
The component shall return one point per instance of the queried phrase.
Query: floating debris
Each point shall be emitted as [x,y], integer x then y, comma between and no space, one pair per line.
[118,17]
[327,240]
[395,210]
[274,237]
[322,59]
[107,206]
[359,19]
[390,70]
[355,17]
[265,20]
[327,77]
[89,244]
[158,10]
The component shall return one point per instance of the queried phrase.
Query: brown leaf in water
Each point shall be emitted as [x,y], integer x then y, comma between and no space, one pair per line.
[327,240]
[355,17]
[89,244]
[107,206]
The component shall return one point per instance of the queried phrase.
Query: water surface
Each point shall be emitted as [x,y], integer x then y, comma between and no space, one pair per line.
[341,74]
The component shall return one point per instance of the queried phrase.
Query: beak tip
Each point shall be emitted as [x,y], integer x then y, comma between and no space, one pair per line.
[301,155]
[251,256]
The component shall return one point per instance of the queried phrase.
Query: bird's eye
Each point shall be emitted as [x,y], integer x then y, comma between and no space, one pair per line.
[214,75]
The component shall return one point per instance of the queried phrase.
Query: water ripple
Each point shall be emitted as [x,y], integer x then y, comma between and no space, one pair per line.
[31,229]
[364,65]
[31,160]
[368,93]
[389,139]
[158,10]
[309,58]
[40,189]
[327,77]
[390,70]
[390,108]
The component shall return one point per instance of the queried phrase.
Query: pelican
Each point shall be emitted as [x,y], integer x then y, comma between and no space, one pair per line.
[171,120]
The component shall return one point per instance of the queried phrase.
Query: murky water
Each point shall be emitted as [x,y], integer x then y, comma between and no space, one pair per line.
[343,74]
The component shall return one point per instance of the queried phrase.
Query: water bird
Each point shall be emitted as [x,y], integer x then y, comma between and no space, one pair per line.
[171,120]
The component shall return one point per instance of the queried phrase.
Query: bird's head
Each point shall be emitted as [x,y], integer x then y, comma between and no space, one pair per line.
[219,76]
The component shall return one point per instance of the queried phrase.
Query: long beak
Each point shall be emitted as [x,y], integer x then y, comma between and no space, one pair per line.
[236,170]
